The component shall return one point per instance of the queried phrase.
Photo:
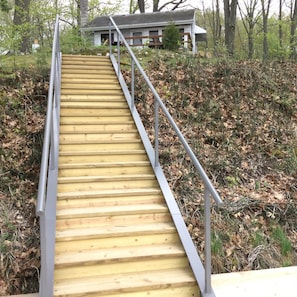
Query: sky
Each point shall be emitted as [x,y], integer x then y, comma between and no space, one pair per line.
[199,4]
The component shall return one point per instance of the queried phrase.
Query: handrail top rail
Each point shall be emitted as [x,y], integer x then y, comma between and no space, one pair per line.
[185,144]
[41,196]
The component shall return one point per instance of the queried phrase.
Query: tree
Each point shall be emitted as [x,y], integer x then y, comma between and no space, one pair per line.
[249,16]
[265,5]
[171,38]
[83,12]
[4,6]
[230,9]
[141,6]
[293,36]
[174,3]
[21,22]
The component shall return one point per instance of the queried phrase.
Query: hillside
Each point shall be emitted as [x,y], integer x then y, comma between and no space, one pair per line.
[240,119]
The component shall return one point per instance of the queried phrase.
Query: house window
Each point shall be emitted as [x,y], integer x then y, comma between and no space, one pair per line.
[136,39]
[105,38]
[154,38]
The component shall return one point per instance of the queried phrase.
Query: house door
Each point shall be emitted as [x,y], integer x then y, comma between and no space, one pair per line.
[137,40]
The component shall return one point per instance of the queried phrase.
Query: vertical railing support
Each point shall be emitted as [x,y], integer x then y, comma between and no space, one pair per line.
[110,42]
[132,84]
[119,56]
[156,133]
[207,234]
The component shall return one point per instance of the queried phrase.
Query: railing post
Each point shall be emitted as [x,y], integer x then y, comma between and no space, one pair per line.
[110,43]
[119,56]
[132,83]
[207,232]
[156,133]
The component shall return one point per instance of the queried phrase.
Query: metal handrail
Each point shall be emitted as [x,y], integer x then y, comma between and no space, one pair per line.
[53,87]
[47,189]
[209,188]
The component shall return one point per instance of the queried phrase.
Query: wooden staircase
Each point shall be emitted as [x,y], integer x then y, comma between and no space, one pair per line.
[114,233]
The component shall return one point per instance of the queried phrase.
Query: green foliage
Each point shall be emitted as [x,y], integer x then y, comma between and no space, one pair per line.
[285,244]
[171,39]
[4,6]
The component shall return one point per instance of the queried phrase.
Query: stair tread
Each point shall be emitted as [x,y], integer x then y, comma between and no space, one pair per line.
[104,165]
[108,193]
[83,211]
[118,254]
[104,152]
[129,282]
[85,179]
[114,231]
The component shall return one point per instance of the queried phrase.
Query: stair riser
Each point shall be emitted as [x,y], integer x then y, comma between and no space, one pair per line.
[101,222]
[99,147]
[113,242]
[116,128]
[106,185]
[120,268]
[104,171]
[87,137]
[116,201]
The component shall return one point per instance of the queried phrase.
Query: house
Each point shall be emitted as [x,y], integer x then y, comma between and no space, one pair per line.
[147,29]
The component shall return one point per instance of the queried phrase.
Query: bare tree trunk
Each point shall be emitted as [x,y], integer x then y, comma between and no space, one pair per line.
[249,18]
[265,13]
[84,9]
[21,18]
[280,25]
[141,6]
[230,23]
[293,36]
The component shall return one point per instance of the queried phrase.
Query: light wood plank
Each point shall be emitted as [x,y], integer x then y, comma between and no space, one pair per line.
[117,242]
[103,269]
[122,254]
[98,137]
[119,210]
[106,193]
[114,231]
[128,282]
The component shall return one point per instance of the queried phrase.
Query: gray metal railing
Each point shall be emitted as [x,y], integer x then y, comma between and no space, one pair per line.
[202,274]
[47,190]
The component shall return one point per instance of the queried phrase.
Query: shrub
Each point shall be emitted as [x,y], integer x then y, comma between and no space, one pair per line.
[171,39]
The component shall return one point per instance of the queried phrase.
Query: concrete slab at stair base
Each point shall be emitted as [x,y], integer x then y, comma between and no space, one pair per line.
[277,282]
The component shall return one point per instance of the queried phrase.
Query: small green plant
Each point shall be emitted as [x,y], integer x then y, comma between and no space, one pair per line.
[285,244]
[216,245]
[171,39]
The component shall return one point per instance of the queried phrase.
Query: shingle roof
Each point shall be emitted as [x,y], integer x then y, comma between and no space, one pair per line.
[145,19]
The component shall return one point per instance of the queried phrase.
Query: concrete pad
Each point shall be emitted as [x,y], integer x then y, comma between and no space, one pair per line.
[277,282]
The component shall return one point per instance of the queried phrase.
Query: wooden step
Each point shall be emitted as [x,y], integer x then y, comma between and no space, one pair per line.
[133,199]
[106,193]
[114,231]
[119,97]
[94,112]
[94,105]
[105,183]
[112,210]
[145,282]
[104,156]
[94,137]
[101,145]
[97,128]
[93,169]
[95,120]
[123,254]
[107,92]
[87,86]
[117,242]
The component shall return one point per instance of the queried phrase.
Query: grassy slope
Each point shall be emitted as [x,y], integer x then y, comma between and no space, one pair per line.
[239,118]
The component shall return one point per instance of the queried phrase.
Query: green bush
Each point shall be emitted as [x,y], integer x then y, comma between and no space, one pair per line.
[171,39]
